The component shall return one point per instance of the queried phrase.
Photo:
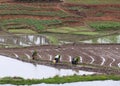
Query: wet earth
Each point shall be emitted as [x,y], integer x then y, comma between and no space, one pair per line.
[105,56]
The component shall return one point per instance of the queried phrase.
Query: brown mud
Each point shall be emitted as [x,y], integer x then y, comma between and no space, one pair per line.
[83,50]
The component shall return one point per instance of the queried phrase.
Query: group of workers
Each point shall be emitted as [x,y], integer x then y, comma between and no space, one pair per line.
[74,61]
[56,59]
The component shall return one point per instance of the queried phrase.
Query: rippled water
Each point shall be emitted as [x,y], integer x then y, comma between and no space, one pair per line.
[106,39]
[12,67]
[23,40]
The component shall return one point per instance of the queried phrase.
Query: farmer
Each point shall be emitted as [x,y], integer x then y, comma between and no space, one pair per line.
[34,55]
[56,59]
[75,60]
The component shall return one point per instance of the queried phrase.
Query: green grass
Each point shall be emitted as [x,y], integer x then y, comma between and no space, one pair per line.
[38,24]
[94,1]
[53,40]
[22,7]
[86,33]
[33,13]
[67,29]
[23,31]
[57,79]
[18,9]
[76,8]
[105,25]
[82,30]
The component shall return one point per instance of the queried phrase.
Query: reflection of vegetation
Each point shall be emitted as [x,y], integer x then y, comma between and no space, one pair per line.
[57,79]
[53,40]
[105,25]
[107,39]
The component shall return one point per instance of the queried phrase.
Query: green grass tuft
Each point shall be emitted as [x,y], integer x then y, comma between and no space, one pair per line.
[105,25]
[94,1]
[57,79]
[38,24]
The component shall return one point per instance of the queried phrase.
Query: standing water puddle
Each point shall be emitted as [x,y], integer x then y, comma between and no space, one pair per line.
[23,40]
[106,39]
[12,67]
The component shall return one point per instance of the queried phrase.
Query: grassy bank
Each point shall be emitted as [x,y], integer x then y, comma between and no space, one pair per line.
[57,79]
[23,31]
[38,24]
[81,30]
[105,25]
[94,1]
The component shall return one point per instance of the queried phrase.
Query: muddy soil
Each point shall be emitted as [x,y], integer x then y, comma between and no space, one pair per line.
[104,57]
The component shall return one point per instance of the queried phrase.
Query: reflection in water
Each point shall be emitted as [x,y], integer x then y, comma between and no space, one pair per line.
[24,40]
[12,67]
[106,39]
[88,83]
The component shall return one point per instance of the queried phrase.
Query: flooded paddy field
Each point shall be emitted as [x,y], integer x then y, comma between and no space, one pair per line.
[70,38]
[106,39]
[15,68]
[30,18]
[94,54]
[23,40]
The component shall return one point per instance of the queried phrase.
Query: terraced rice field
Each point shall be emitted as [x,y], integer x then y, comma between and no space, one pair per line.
[96,54]
[16,15]
[47,17]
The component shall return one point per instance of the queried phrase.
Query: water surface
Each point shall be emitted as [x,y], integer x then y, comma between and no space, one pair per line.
[105,39]
[23,40]
[12,67]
